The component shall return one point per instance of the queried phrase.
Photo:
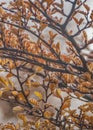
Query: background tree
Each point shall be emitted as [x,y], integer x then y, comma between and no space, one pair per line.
[37,69]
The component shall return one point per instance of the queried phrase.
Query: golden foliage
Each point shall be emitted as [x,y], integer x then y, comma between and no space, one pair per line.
[48,114]
[18,109]
[38,94]
[42,68]
[33,101]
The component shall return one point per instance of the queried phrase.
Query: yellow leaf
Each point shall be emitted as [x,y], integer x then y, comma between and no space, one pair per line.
[37,124]
[11,83]
[18,108]
[4,81]
[48,114]
[23,118]
[38,94]
[57,93]
[33,101]
[15,93]
[21,97]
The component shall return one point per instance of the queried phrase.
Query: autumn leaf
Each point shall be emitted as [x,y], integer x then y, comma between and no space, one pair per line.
[9,75]
[15,93]
[9,126]
[48,114]
[42,26]
[4,81]
[35,84]
[37,124]
[41,50]
[23,118]
[81,20]
[52,35]
[57,93]
[20,97]
[18,109]
[86,7]
[91,15]
[66,104]
[49,2]
[58,47]
[52,86]
[38,94]
[76,20]
[33,101]
[38,69]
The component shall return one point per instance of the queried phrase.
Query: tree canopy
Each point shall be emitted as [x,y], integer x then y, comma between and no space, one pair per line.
[38,71]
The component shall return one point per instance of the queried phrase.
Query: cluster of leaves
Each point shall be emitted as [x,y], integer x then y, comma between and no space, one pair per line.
[40,68]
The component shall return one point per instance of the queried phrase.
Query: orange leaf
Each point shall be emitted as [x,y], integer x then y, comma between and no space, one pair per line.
[86,7]
[9,75]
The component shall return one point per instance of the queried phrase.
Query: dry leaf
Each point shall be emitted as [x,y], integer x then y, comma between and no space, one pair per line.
[33,101]
[18,108]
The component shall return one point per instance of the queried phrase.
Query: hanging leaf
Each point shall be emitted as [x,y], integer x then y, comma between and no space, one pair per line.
[57,93]
[21,97]
[37,124]
[76,20]
[39,69]
[66,104]
[4,81]
[85,36]
[15,93]
[91,15]
[38,94]
[33,101]
[23,118]
[18,108]
[86,7]
[52,35]
[58,47]
[81,20]
[35,84]
[9,75]
[48,114]
[52,86]
[42,26]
